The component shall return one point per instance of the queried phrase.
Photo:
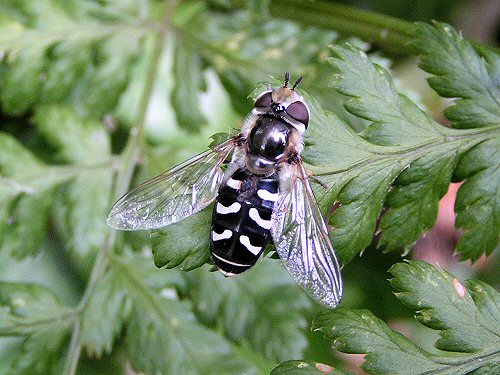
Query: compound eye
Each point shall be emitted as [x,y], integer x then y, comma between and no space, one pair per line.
[299,112]
[264,100]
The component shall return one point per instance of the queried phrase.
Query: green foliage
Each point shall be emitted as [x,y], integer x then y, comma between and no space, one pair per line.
[35,314]
[184,244]
[33,187]
[270,320]
[409,160]
[92,90]
[461,72]
[468,325]
[104,316]
[59,53]
[162,334]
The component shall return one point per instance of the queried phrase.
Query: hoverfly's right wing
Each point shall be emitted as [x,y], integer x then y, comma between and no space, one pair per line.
[302,241]
[173,195]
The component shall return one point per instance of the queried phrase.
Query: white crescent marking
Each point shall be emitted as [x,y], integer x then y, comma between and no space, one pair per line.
[245,241]
[235,184]
[229,262]
[223,236]
[235,207]
[267,196]
[254,215]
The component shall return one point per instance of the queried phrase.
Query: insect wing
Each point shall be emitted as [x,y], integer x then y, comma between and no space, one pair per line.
[303,244]
[173,195]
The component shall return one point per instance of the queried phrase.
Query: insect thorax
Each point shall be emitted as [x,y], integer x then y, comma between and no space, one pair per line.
[268,142]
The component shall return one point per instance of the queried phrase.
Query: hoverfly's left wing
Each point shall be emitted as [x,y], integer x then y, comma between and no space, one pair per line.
[302,241]
[173,195]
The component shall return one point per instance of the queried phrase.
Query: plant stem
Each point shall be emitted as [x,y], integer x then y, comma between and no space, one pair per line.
[74,351]
[129,161]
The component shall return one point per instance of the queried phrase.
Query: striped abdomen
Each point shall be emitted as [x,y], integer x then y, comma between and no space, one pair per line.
[241,221]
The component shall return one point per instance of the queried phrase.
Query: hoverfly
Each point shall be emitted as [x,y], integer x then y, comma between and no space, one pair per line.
[264,193]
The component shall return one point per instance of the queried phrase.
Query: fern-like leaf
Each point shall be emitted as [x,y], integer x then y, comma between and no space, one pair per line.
[467,321]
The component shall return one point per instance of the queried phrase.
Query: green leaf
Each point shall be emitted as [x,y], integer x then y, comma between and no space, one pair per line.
[77,140]
[17,165]
[63,52]
[21,230]
[84,202]
[459,71]
[185,95]
[104,316]
[83,205]
[467,321]
[478,200]
[354,221]
[33,313]
[462,326]
[239,47]
[185,244]
[263,307]
[26,187]
[404,163]
[372,95]
[415,197]
[305,368]
[109,307]
[162,334]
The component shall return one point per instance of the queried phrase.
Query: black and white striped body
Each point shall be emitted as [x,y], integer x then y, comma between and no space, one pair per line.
[241,220]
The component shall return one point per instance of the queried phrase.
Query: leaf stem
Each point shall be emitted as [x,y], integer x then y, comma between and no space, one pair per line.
[54,174]
[129,161]
[75,348]
[13,329]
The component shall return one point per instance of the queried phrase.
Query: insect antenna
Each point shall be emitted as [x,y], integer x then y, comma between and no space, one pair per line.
[297,82]
[287,78]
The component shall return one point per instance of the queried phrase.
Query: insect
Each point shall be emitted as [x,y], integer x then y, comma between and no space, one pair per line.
[263,194]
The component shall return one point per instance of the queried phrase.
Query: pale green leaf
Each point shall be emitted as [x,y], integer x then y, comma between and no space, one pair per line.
[109,307]
[32,313]
[83,207]
[23,223]
[239,46]
[78,140]
[76,52]
[26,188]
[84,202]
[186,92]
